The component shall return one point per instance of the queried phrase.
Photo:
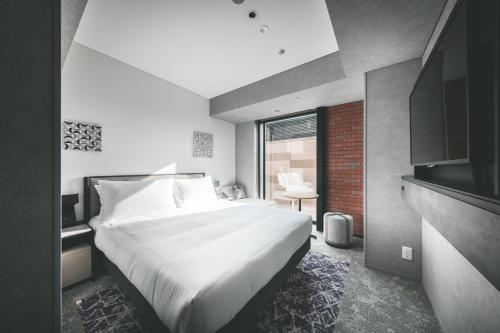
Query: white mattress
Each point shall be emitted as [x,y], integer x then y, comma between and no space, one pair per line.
[198,268]
[258,202]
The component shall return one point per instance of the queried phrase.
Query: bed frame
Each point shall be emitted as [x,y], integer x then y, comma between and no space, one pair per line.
[245,317]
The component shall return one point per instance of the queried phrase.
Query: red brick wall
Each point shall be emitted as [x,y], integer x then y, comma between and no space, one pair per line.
[345,161]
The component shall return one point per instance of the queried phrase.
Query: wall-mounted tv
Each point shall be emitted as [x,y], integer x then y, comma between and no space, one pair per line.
[439,103]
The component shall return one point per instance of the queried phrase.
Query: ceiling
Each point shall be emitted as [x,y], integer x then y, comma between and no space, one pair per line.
[332,93]
[209,47]
[371,34]
[376,33]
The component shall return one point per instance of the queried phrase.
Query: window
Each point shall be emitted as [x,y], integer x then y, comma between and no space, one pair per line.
[289,160]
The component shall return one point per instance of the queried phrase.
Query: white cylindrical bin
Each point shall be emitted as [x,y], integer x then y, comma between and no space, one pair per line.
[338,229]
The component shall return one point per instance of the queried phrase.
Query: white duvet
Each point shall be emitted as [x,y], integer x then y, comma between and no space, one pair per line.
[199,267]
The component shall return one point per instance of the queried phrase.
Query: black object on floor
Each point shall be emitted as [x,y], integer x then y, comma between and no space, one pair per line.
[108,310]
[307,302]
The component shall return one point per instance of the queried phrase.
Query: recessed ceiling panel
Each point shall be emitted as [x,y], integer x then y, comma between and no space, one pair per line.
[209,47]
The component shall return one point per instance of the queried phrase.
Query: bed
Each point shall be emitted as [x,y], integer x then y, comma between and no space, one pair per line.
[199,269]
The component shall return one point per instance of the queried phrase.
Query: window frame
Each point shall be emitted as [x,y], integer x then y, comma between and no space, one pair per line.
[320,153]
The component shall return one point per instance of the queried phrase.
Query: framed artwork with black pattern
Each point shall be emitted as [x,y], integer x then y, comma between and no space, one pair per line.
[82,136]
[203,144]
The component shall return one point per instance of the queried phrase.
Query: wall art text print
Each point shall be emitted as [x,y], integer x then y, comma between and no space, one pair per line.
[203,144]
[82,136]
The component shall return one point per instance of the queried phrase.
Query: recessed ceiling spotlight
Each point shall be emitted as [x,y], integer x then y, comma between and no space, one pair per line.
[264,28]
[281,51]
[276,110]
[252,14]
[238,2]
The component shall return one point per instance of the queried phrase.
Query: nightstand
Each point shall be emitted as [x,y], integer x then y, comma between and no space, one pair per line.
[76,254]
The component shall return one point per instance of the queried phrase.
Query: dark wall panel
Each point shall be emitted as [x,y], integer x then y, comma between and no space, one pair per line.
[29,165]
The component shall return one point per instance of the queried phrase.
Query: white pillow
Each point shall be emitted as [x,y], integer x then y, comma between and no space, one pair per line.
[122,199]
[194,192]
[98,190]
[96,220]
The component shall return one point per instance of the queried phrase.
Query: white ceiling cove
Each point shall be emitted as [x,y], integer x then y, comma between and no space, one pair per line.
[209,47]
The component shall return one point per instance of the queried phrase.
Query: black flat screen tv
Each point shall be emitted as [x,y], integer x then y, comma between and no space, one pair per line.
[439,103]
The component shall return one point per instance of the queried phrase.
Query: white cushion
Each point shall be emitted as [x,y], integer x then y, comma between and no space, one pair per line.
[299,188]
[194,192]
[122,199]
[231,192]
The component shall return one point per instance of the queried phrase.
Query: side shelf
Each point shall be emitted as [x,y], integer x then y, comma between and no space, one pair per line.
[76,254]
[470,223]
[486,203]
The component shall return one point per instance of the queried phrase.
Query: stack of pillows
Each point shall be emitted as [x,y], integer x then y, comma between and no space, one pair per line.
[121,199]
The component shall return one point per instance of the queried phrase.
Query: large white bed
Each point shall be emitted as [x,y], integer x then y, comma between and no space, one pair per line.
[199,266]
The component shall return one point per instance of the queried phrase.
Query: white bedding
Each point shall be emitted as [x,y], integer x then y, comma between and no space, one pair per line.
[199,267]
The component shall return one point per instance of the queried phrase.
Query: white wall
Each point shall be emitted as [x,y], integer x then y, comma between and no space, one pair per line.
[463,299]
[147,123]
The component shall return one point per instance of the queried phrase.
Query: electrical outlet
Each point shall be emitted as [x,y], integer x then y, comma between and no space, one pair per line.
[407,253]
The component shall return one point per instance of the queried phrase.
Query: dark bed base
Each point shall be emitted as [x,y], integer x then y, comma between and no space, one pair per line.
[242,319]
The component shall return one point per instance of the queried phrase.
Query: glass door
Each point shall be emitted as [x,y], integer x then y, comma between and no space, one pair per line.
[289,153]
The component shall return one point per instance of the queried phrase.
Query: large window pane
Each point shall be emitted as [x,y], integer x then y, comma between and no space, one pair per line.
[290,160]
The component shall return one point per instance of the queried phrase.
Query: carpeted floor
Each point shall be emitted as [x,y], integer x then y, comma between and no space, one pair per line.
[108,310]
[307,302]
[373,301]
[377,302]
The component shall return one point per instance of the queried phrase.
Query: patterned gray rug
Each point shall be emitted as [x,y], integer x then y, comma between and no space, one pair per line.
[307,302]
